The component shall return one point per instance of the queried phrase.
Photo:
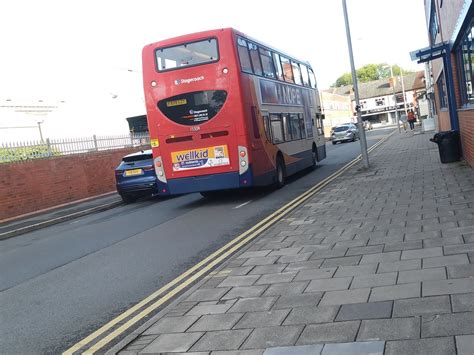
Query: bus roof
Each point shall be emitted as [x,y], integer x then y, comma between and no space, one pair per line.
[210,33]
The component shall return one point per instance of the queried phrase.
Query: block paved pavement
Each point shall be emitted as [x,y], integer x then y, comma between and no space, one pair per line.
[380,261]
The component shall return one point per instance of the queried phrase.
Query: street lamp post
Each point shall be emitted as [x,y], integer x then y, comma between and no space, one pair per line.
[394,98]
[403,90]
[363,141]
[40,132]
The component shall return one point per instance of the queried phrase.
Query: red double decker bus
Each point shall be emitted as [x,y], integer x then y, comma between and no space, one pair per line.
[225,111]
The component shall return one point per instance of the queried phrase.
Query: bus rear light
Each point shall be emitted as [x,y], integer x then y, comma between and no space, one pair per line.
[160,172]
[243,160]
[164,190]
[225,70]
[153,83]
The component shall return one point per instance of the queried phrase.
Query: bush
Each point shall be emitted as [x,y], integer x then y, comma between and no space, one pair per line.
[12,154]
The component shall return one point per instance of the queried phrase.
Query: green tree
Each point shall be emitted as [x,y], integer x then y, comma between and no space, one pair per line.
[370,72]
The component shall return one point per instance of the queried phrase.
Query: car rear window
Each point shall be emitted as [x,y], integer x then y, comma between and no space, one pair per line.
[341,128]
[139,157]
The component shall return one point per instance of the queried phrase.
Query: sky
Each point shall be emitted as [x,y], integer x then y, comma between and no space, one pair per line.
[88,53]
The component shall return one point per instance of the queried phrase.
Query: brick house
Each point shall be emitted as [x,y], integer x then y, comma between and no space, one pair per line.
[451,56]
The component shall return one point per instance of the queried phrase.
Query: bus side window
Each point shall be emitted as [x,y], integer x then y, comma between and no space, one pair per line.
[312,79]
[277,128]
[256,131]
[266,124]
[244,55]
[295,126]
[279,71]
[304,74]
[257,66]
[286,127]
[296,73]
[319,125]
[301,124]
[267,63]
[287,72]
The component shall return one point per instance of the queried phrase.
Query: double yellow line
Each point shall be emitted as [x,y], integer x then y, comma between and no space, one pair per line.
[198,270]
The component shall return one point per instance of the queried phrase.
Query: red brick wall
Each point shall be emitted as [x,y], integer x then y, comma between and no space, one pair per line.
[466,125]
[33,185]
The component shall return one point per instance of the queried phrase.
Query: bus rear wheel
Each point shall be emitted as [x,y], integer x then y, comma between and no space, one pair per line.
[280,173]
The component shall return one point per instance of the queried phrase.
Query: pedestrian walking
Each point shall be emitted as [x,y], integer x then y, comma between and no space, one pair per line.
[403,119]
[411,119]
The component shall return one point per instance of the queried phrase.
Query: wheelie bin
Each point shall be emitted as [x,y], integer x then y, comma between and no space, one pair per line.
[449,146]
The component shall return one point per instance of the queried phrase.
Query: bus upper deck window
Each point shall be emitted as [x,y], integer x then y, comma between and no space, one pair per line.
[257,66]
[312,79]
[279,70]
[304,74]
[296,73]
[244,55]
[187,54]
[287,72]
[267,63]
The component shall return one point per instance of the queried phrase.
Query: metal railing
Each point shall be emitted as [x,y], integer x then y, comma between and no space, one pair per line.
[18,151]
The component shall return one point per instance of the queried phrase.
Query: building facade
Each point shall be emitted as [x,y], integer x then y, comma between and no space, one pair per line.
[451,57]
[337,110]
[380,100]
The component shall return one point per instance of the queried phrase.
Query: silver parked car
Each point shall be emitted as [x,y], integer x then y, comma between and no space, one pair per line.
[344,133]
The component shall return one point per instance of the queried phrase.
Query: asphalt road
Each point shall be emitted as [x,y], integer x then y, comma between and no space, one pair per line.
[61,283]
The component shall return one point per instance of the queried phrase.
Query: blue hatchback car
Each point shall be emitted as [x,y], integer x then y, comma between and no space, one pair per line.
[135,176]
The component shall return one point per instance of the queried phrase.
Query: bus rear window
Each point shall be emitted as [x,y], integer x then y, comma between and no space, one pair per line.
[187,54]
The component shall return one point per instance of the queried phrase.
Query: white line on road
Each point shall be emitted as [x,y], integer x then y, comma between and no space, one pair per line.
[242,205]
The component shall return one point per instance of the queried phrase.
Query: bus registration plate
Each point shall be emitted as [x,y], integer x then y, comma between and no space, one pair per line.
[200,158]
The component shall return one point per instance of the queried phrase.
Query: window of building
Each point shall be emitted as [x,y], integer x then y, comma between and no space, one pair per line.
[244,55]
[279,70]
[465,53]
[296,73]
[442,93]
[287,72]
[434,25]
[267,63]
[276,128]
[257,66]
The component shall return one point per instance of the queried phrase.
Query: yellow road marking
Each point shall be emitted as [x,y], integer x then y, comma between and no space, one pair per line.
[242,239]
